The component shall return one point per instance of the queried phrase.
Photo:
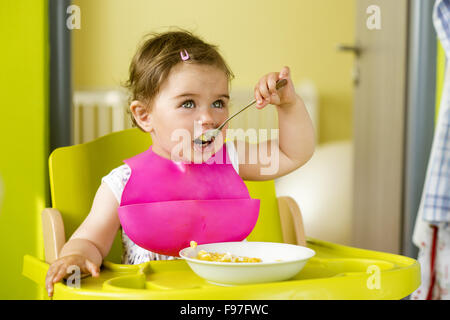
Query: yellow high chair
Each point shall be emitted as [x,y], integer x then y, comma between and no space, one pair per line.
[335,272]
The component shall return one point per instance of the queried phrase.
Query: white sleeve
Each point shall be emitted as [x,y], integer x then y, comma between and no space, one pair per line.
[233,155]
[117,179]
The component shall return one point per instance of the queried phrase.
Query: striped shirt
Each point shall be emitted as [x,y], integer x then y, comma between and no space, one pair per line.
[436,193]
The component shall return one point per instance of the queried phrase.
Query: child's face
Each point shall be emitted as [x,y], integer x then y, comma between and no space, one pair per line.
[193,95]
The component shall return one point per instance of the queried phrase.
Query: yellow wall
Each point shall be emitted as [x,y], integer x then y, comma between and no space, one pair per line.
[23,140]
[255,37]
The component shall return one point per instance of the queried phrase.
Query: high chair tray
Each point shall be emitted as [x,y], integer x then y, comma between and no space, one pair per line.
[336,272]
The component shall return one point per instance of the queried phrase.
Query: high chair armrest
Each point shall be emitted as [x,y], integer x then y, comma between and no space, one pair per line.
[53,232]
[291,221]
[34,269]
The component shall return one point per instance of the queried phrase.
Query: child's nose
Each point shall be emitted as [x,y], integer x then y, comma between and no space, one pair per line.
[206,117]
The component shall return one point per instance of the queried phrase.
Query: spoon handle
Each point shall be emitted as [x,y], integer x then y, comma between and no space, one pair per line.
[280,84]
[225,122]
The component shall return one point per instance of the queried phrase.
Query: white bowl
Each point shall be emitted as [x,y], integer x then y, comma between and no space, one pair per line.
[280,261]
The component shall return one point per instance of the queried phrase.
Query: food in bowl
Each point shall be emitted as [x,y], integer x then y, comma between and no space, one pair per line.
[222,257]
[280,261]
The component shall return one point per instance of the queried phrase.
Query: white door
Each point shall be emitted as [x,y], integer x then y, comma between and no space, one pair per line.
[379,113]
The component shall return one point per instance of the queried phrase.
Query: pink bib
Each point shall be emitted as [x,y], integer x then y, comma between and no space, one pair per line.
[166,204]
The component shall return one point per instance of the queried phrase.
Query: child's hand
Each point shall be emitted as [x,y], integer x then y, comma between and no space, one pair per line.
[266,92]
[58,269]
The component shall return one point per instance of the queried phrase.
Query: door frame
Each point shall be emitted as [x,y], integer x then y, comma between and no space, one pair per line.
[421,101]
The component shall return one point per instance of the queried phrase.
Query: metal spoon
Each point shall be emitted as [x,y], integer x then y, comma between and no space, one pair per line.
[210,134]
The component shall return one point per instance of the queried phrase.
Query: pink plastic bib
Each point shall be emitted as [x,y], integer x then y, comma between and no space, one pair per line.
[166,204]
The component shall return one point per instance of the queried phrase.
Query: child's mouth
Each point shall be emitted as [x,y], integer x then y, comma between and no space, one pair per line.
[203,146]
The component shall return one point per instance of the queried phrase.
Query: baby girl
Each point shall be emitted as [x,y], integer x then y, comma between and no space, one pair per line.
[179,82]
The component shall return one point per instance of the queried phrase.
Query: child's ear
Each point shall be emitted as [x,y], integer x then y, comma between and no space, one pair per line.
[142,116]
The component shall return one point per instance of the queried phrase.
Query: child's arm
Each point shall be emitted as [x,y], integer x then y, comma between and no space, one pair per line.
[296,142]
[98,230]
[91,242]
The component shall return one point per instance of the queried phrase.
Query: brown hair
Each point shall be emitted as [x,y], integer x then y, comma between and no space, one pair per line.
[158,54]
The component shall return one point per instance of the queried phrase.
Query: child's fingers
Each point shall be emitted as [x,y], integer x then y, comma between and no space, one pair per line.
[54,276]
[284,73]
[259,98]
[60,274]
[49,283]
[264,89]
[49,275]
[92,268]
[49,287]
[272,84]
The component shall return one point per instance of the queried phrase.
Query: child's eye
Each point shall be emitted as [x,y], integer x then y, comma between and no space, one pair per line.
[218,104]
[188,104]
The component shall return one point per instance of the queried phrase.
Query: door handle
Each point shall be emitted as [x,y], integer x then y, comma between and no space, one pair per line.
[356,49]
[349,48]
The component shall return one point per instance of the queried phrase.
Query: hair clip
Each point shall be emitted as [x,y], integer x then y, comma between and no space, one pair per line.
[185,56]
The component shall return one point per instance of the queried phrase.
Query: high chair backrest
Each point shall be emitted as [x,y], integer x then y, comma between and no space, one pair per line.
[76,172]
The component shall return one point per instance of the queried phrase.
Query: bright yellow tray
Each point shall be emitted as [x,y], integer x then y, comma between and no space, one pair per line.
[336,272]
